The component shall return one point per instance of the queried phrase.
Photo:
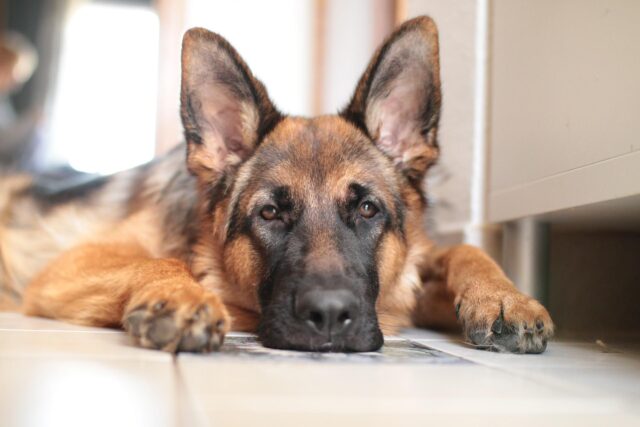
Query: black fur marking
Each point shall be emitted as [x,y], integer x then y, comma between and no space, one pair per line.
[181,218]
[282,196]
[357,193]
[192,132]
[237,224]
[50,193]
[216,193]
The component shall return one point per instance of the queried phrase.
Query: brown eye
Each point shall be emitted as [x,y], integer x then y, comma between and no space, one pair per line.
[368,210]
[269,213]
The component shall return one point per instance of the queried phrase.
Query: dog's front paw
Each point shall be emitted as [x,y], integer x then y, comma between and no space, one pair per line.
[193,322]
[503,319]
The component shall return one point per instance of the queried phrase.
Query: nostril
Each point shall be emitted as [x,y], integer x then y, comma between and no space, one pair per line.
[344,318]
[316,318]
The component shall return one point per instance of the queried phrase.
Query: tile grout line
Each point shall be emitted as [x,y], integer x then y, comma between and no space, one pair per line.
[189,411]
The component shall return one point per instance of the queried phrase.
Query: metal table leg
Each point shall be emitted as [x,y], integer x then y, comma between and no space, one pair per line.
[526,256]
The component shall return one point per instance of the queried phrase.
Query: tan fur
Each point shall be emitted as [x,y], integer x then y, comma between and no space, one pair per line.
[483,290]
[99,281]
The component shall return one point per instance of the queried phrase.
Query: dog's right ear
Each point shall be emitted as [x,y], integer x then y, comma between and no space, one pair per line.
[225,110]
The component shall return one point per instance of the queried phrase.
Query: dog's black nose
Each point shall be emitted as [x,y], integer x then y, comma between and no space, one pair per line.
[329,312]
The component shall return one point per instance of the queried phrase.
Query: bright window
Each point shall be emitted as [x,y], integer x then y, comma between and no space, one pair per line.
[104,110]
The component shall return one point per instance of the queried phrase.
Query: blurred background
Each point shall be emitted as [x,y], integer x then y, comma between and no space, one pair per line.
[100,90]
[539,130]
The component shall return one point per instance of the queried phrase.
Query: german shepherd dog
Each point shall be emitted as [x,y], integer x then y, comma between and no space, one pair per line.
[308,231]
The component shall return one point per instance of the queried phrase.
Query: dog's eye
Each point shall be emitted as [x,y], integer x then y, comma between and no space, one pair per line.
[368,210]
[269,212]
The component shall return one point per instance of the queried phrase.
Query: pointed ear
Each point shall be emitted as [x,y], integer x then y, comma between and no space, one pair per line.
[225,110]
[397,100]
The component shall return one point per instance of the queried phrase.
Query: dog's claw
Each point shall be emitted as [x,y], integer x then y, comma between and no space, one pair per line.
[496,328]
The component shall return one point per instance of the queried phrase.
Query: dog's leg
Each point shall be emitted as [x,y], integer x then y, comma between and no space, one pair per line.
[157,301]
[434,307]
[492,312]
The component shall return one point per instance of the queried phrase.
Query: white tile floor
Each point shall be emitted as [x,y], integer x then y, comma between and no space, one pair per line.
[54,374]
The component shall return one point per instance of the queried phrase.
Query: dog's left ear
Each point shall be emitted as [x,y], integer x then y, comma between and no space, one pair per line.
[397,100]
[225,110]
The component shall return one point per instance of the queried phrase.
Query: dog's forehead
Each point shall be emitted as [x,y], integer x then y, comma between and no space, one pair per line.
[326,152]
[321,138]
[319,129]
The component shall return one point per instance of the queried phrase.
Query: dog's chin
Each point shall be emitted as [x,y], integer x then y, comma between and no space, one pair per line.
[284,339]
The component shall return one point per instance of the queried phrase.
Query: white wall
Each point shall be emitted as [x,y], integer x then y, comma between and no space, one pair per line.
[275,39]
[105,89]
[353,30]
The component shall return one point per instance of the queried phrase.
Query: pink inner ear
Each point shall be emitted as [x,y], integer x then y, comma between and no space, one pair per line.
[398,122]
[222,130]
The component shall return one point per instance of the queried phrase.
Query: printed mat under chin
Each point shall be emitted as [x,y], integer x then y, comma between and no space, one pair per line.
[394,350]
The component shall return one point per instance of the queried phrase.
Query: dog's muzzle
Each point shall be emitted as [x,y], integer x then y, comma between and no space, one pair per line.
[318,311]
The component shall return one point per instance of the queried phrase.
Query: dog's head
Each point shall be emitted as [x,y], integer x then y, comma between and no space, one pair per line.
[316,216]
